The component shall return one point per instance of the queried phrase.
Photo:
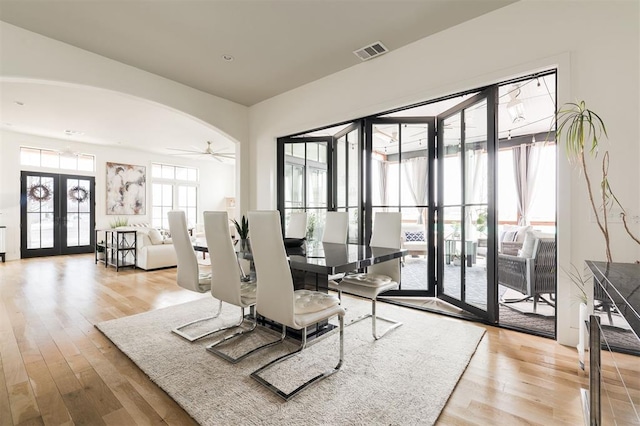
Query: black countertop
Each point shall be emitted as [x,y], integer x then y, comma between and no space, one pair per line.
[621,282]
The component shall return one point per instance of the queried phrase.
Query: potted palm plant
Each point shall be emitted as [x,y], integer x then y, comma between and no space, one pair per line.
[582,130]
[242,228]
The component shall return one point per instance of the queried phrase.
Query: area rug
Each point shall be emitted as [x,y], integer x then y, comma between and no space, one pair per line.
[404,378]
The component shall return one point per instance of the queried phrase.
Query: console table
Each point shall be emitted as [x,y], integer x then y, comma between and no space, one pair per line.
[617,287]
[119,247]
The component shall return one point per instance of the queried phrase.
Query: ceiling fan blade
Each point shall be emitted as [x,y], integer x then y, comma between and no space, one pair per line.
[187,150]
[191,153]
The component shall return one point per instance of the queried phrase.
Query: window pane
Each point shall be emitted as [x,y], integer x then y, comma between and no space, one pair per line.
[354,170]
[322,153]
[69,162]
[167,195]
[341,171]
[182,196]
[168,172]
[181,173]
[30,157]
[50,159]
[298,149]
[86,163]
[475,147]
[157,194]
[507,195]
[156,170]
[452,160]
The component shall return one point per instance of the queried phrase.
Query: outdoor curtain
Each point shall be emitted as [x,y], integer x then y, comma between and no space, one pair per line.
[415,170]
[381,168]
[526,159]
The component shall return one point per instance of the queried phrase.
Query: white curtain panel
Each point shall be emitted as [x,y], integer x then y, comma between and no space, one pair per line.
[415,170]
[526,159]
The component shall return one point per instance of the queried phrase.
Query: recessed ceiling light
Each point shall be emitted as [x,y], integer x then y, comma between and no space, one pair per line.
[73,133]
[18,103]
[227,58]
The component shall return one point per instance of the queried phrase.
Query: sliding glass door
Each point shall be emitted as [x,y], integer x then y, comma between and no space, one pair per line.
[466,174]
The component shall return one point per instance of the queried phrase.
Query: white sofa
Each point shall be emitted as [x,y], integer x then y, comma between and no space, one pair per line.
[414,238]
[153,250]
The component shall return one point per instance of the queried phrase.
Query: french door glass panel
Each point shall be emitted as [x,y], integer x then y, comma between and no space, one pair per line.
[78,207]
[400,170]
[347,180]
[464,201]
[56,213]
[307,183]
[41,194]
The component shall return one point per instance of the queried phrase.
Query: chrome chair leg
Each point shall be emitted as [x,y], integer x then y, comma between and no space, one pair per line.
[394,324]
[241,331]
[179,332]
[212,347]
[321,376]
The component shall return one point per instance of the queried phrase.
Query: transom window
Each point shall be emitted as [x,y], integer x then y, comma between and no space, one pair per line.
[52,159]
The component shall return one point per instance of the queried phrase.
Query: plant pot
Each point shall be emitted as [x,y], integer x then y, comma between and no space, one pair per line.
[583,344]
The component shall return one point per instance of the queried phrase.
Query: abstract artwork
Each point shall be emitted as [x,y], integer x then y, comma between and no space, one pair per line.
[126,186]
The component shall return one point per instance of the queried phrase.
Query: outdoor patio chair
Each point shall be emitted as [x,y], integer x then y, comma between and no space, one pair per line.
[532,275]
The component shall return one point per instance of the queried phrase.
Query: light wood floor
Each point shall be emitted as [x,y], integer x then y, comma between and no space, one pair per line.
[56,368]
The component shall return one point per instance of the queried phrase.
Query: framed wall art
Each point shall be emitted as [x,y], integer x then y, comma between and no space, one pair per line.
[126,189]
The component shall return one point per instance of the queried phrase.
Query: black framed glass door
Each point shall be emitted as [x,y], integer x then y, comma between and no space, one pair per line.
[347,158]
[305,173]
[57,214]
[465,217]
[400,174]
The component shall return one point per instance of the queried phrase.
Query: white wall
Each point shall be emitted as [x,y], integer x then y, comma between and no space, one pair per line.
[27,55]
[217,180]
[593,44]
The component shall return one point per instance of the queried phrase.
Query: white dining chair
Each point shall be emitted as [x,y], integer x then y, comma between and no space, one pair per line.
[336,228]
[297,227]
[380,277]
[226,284]
[278,301]
[189,275]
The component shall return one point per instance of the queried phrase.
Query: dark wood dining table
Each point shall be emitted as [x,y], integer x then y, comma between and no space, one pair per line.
[317,261]
[313,263]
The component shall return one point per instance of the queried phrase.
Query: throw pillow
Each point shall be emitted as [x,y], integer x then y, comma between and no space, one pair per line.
[527,246]
[414,236]
[155,237]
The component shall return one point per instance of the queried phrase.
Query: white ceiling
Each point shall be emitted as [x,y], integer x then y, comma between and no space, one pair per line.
[276,45]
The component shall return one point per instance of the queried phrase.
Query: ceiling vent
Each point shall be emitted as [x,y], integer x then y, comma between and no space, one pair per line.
[371,51]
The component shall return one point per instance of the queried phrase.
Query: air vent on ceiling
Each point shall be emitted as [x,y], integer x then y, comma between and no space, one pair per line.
[371,51]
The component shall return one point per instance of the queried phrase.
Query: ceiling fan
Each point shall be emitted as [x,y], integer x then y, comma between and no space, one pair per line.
[207,151]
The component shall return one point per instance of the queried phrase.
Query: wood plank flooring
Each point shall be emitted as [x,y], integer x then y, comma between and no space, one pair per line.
[56,368]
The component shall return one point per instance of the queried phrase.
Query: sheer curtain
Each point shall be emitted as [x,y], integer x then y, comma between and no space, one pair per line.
[381,167]
[526,159]
[415,170]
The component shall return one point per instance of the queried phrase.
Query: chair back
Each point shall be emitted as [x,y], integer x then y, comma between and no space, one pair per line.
[297,227]
[545,270]
[225,279]
[387,232]
[275,297]
[188,275]
[336,228]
